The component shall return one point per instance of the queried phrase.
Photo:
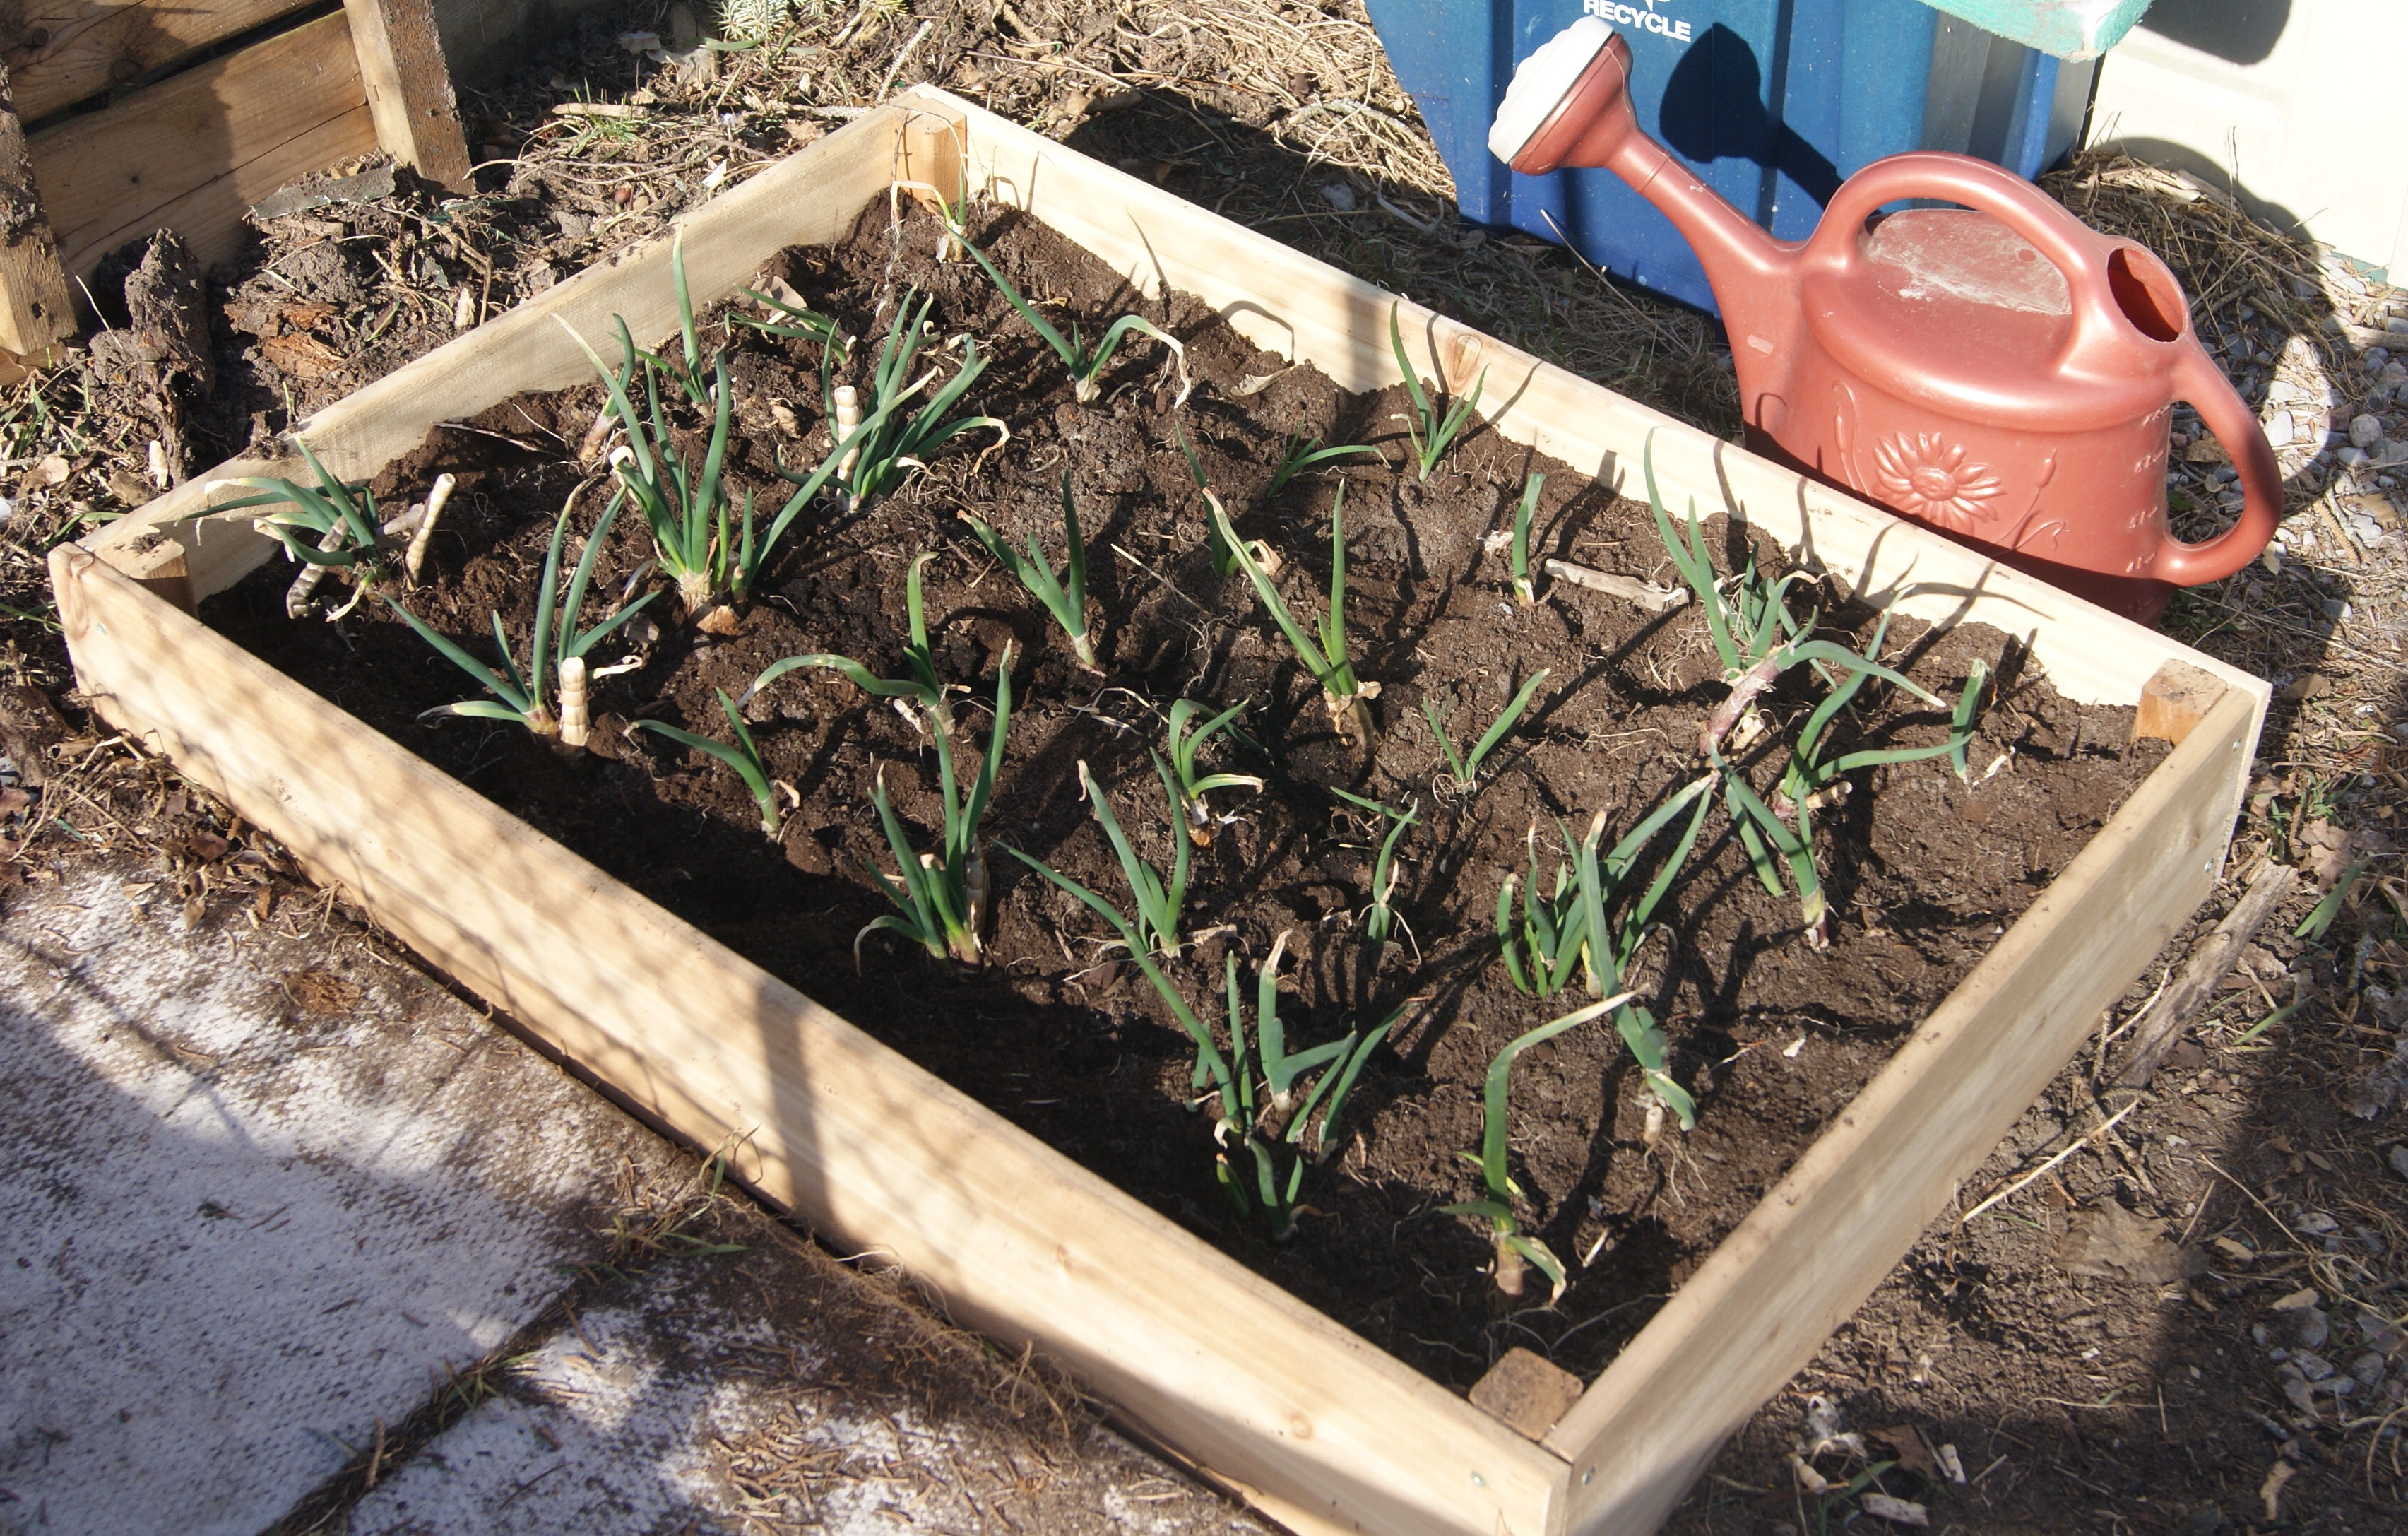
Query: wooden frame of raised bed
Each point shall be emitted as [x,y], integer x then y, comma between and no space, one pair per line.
[1317,1428]
[193,149]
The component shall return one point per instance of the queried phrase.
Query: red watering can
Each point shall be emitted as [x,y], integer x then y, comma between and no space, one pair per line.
[2004,375]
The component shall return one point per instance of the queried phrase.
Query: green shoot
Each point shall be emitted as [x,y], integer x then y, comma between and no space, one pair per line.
[1610,949]
[1224,561]
[1211,1065]
[1525,592]
[1065,597]
[1379,918]
[1466,766]
[1193,787]
[921,687]
[1085,366]
[1301,453]
[1327,660]
[1517,1251]
[940,897]
[888,443]
[744,757]
[1158,900]
[349,535]
[790,321]
[1960,724]
[1245,1123]
[1432,433]
[1808,783]
[2319,920]
[1754,632]
[1544,950]
[522,694]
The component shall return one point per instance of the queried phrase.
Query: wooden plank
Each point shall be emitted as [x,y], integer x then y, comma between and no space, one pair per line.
[61,51]
[196,151]
[1758,1308]
[36,306]
[410,88]
[811,196]
[1291,304]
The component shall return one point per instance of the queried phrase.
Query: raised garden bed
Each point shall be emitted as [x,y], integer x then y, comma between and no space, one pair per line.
[1324,1430]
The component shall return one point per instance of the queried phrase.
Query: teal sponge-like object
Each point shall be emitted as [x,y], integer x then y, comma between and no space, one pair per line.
[2071,29]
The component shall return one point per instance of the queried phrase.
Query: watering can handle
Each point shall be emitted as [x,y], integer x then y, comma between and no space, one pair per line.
[2082,255]
[2198,380]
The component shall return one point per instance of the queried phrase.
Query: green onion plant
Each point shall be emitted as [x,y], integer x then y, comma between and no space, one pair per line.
[1432,432]
[1754,632]
[1301,453]
[1065,596]
[1517,1251]
[1158,900]
[1544,950]
[744,757]
[1193,786]
[1342,694]
[331,526]
[1807,781]
[888,443]
[1086,367]
[1380,919]
[1525,591]
[521,696]
[921,687]
[940,897]
[1466,766]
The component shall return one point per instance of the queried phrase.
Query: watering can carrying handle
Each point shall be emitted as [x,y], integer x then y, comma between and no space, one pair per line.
[2080,254]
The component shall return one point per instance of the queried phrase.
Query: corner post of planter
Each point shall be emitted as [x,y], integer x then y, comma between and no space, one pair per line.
[408,86]
[933,149]
[37,306]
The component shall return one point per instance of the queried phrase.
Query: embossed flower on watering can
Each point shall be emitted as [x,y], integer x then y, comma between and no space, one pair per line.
[1924,476]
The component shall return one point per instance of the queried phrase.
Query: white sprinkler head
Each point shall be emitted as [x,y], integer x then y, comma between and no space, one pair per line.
[1541,82]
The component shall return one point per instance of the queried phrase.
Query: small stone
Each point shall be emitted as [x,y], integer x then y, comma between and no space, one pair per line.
[2399,1159]
[2351,457]
[2367,1369]
[2315,1368]
[2364,529]
[2396,324]
[2365,431]
[2393,374]
[2313,1328]
[1339,196]
[2279,430]
[2295,1387]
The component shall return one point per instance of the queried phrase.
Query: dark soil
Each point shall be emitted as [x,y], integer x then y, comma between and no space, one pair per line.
[1770,1034]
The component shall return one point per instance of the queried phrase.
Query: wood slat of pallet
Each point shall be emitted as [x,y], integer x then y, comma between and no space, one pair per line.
[36,306]
[60,52]
[197,150]
[410,88]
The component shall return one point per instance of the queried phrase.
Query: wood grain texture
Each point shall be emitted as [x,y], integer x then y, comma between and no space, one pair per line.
[60,52]
[1819,1243]
[409,88]
[1021,1243]
[1385,1450]
[194,151]
[37,306]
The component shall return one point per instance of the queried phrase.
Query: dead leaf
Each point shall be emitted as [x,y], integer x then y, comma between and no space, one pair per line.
[303,356]
[315,991]
[302,316]
[52,471]
[1902,1512]
[2325,852]
[1906,1445]
[2109,1243]
[206,846]
[2206,451]
[2306,686]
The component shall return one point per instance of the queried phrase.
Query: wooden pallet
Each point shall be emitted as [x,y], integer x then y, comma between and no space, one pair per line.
[193,150]
[1314,1426]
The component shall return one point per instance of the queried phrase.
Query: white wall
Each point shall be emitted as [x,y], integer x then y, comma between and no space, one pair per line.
[2310,133]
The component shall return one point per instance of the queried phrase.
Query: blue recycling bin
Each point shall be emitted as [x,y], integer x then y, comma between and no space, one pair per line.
[1772,102]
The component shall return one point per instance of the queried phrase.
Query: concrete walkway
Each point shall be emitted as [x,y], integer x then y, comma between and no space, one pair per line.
[296,1239]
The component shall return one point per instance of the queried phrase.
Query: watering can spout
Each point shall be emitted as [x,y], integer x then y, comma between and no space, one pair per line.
[1570,106]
